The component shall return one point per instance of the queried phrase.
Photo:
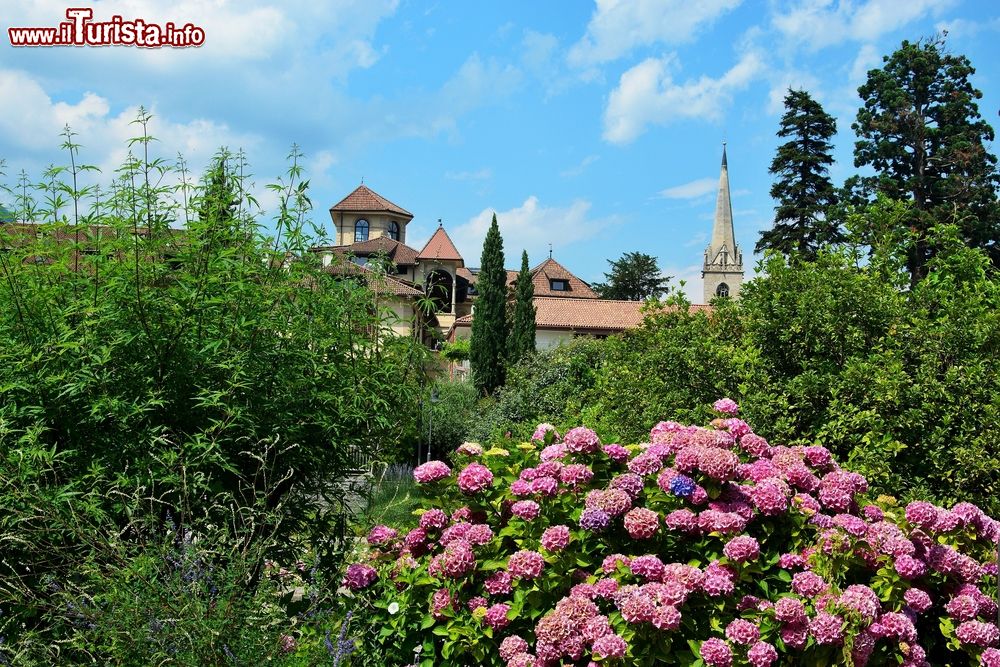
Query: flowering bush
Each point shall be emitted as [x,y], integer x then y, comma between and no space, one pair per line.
[704,546]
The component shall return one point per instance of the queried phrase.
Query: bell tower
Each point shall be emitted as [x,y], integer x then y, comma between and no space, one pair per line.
[722,272]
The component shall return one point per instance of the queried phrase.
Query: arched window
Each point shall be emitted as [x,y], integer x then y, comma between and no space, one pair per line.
[722,290]
[393,230]
[360,230]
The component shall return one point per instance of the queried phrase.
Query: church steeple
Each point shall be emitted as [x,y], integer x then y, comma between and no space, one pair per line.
[723,268]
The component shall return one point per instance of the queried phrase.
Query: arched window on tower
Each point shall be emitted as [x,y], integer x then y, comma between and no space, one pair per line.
[360,230]
[393,230]
[722,290]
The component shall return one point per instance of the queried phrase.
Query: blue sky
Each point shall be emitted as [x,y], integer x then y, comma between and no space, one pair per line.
[594,127]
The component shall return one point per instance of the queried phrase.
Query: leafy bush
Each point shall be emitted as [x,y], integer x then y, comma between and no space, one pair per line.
[705,546]
[451,412]
[162,353]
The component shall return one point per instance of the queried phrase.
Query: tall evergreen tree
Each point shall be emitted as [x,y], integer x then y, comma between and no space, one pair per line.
[522,331]
[803,188]
[488,347]
[921,131]
[635,276]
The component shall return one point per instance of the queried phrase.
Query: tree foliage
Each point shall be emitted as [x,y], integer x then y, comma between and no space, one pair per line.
[522,331]
[803,189]
[173,371]
[635,276]
[488,351]
[920,129]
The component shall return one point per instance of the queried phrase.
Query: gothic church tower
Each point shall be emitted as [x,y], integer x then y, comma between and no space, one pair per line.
[723,269]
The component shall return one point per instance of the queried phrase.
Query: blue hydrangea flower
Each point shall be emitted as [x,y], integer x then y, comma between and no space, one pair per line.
[682,486]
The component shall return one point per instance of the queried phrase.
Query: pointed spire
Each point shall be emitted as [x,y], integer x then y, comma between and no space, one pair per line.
[722,249]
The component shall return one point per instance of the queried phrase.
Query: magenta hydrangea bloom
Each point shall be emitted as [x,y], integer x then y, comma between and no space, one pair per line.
[716,652]
[827,628]
[380,535]
[648,567]
[474,478]
[499,583]
[742,549]
[978,633]
[808,584]
[526,564]
[581,440]
[458,559]
[511,646]
[431,471]
[742,631]
[433,519]
[762,654]
[990,658]
[610,647]
[918,600]
[555,538]
[359,576]
[726,406]
[525,509]
[616,452]
[542,429]
[496,616]
[641,523]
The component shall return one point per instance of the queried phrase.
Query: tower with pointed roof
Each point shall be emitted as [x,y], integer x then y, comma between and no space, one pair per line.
[722,271]
[366,215]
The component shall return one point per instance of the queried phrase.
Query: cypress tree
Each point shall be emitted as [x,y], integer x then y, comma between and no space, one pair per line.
[488,347]
[522,332]
[803,188]
[921,131]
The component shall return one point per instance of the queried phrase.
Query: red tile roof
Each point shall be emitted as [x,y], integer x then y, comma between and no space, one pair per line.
[586,315]
[549,270]
[363,199]
[378,284]
[440,247]
[400,253]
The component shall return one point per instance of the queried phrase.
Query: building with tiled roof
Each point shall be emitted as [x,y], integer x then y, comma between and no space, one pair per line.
[364,215]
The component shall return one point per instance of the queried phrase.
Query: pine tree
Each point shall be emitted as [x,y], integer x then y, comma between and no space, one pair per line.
[803,188]
[634,276]
[522,332]
[921,131]
[488,347]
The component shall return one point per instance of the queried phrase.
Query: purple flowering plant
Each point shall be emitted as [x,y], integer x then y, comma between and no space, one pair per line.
[704,546]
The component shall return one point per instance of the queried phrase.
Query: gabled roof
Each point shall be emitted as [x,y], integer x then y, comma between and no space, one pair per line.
[400,253]
[440,247]
[549,270]
[586,315]
[378,284]
[366,200]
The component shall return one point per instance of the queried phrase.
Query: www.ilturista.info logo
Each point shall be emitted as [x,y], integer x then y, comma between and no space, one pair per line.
[81,30]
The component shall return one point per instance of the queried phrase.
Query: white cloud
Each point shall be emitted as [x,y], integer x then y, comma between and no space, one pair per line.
[868,58]
[530,226]
[618,26]
[782,81]
[964,28]
[647,94]
[580,167]
[692,189]
[691,277]
[816,24]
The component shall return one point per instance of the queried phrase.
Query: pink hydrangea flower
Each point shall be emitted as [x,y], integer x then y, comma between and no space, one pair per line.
[542,429]
[742,631]
[380,535]
[555,538]
[762,654]
[433,519]
[726,406]
[790,610]
[581,440]
[575,474]
[648,567]
[359,576]
[742,549]
[616,452]
[716,652]
[918,600]
[499,583]
[496,616]
[526,564]
[511,646]
[808,584]
[641,523]
[458,559]
[431,471]
[525,509]
[978,633]
[827,628]
[474,478]
[610,647]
